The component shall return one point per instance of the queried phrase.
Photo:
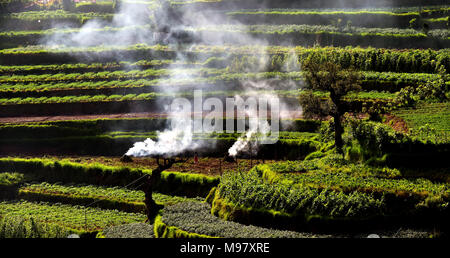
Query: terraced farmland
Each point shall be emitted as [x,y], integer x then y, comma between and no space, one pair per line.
[86,87]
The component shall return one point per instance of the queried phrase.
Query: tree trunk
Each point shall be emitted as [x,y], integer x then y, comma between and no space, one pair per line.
[150,205]
[151,183]
[338,130]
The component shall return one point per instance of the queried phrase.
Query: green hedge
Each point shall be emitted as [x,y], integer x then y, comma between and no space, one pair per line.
[327,193]
[380,144]
[369,19]
[368,59]
[190,185]
[100,7]
[164,231]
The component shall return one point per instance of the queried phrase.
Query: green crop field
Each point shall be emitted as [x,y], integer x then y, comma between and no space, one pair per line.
[224,119]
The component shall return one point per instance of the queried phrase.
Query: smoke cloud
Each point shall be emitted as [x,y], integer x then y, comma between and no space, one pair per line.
[133,24]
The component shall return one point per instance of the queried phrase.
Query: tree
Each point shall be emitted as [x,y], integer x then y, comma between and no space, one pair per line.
[331,78]
[153,180]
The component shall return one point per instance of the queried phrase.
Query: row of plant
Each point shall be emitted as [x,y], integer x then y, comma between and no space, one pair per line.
[78,99]
[115,198]
[399,5]
[329,35]
[33,37]
[25,226]
[190,185]
[35,85]
[8,179]
[63,128]
[41,20]
[367,59]
[338,175]
[135,230]
[305,36]
[354,97]
[337,17]
[303,194]
[108,75]
[305,29]
[92,67]
[194,219]
[432,115]
[75,219]
[117,145]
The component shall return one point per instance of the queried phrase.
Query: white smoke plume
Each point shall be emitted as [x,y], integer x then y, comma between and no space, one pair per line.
[170,142]
[259,127]
[131,26]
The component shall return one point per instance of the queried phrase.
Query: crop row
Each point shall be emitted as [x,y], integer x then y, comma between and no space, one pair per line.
[196,218]
[10,39]
[322,191]
[310,35]
[174,183]
[39,20]
[55,129]
[368,59]
[106,75]
[9,179]
[92,67]
[303,35]
[338,18]
[70,217]
[227,82]
[78,99]
[427,121]
[349,178]
[292,146]
[290,28]
[399,5]
[353,97]
[106,198]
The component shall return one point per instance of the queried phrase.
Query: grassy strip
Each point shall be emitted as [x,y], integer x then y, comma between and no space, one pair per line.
[105,75]
[35,20]
[69,217]
[324,188]
[369,81]
[81,67]
[105,198]
[182,184]
[117,146]
[78,99]
[434,115]
[135,230]
[164,231]
[27,227]
[61,128]
[353,97]
[341,18]
[197,218]
[348,182]
[368,59]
